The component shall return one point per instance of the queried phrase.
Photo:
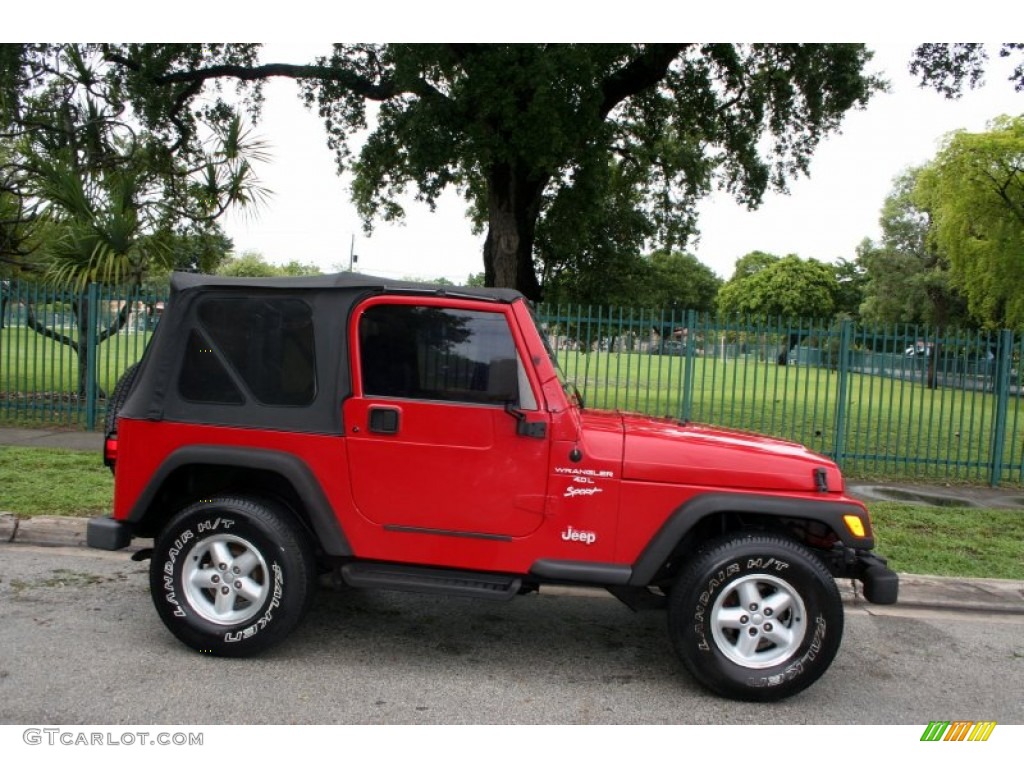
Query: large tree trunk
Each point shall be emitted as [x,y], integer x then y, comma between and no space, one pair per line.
[513,204]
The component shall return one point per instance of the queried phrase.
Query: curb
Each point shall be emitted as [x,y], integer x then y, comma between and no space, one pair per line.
[43,531]
[916,591]
[947,593]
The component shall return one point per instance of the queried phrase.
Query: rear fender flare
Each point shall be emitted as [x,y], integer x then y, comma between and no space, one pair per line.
[293,469]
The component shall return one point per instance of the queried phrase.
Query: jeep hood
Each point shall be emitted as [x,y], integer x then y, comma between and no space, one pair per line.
[668,451]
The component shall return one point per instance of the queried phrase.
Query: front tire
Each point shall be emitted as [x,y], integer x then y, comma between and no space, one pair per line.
[756,618]
[231,576]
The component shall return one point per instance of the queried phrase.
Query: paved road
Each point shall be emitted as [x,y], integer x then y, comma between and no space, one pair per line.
[82,644]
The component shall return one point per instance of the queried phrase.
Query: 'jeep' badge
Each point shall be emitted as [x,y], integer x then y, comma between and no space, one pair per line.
[571,534]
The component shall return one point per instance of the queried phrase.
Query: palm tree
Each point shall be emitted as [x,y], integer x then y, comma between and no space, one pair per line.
[118,205]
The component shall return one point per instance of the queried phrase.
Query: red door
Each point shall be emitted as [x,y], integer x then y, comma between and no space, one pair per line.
[432,444]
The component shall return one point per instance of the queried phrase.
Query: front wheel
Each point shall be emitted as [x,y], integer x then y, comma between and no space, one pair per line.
[232,576]
[756,618]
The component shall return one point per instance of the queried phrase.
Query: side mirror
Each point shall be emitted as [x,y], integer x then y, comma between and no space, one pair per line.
[525,428]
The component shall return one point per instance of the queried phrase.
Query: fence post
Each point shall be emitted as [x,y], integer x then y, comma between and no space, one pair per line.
[1002,392]
[91,347]
[689,350]
[839,445]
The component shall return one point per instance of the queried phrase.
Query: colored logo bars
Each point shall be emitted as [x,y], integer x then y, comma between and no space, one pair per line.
[958,730]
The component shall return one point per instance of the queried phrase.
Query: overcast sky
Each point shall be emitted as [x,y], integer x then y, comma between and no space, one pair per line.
[309,217]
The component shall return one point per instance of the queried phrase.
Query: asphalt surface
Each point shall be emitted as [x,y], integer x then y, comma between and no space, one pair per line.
[935,592]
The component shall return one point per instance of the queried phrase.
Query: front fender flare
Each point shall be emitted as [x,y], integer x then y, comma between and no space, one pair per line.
[687,516]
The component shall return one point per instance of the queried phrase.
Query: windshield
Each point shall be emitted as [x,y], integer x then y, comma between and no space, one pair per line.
[567,386]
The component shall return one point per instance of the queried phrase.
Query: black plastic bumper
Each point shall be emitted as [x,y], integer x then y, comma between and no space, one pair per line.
[107,533]
[881,585]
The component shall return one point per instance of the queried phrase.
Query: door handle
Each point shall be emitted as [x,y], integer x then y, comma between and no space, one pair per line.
[384,421]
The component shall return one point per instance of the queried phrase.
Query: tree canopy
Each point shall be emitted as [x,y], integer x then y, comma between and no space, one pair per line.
[542,140]
[661,280]
[948,67]
[98,196]
[253,264]
[908,274]
[768,286]
[974,191]
[851,281]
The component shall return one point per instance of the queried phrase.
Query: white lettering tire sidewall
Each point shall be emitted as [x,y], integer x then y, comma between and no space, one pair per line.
[712,573]
[288,576]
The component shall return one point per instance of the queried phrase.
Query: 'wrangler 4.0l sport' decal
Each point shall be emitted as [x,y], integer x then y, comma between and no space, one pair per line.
[584,483]
[579,472]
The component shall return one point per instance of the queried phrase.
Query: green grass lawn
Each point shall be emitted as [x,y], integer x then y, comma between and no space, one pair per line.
[32,363]
[959,541]
[916,539]
[39,376]
[44,481]
[891,427]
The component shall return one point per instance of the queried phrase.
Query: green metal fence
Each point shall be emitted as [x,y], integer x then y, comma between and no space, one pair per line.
[896,401]
[61,352]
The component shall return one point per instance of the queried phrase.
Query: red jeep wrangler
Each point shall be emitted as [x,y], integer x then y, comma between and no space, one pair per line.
[422,438]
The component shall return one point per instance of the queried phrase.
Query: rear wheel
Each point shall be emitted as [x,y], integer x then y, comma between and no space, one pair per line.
[757,618]
[232,576]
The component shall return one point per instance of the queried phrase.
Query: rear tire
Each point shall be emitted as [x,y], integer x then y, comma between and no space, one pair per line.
[232,576]
[756,618]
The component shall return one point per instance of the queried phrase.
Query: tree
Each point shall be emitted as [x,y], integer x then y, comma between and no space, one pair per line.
[662,281]
[851,280]
[112,197]
[974,190]
[591,239]
[751,264]
[18,237]
[788,287]
[908,275]
[17,213]
[681,282]
[253,264]
[523,130]
[608,278]
[119,196]
[947,67]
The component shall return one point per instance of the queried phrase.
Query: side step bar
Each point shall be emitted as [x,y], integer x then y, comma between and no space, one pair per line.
[411,578]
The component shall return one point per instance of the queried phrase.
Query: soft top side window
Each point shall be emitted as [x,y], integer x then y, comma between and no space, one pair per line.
[437,353]
[203,378]
[267,341]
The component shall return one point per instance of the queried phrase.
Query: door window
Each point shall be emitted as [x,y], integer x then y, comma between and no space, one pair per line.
[434,353]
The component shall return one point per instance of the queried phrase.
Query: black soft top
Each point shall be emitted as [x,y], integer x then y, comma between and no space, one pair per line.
[351,281]
[328,300]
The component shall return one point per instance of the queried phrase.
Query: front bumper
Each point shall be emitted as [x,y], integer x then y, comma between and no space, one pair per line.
[881,585]
[107,533]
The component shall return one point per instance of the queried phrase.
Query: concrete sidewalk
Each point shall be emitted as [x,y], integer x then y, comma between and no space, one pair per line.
[936,592]
[52,438]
